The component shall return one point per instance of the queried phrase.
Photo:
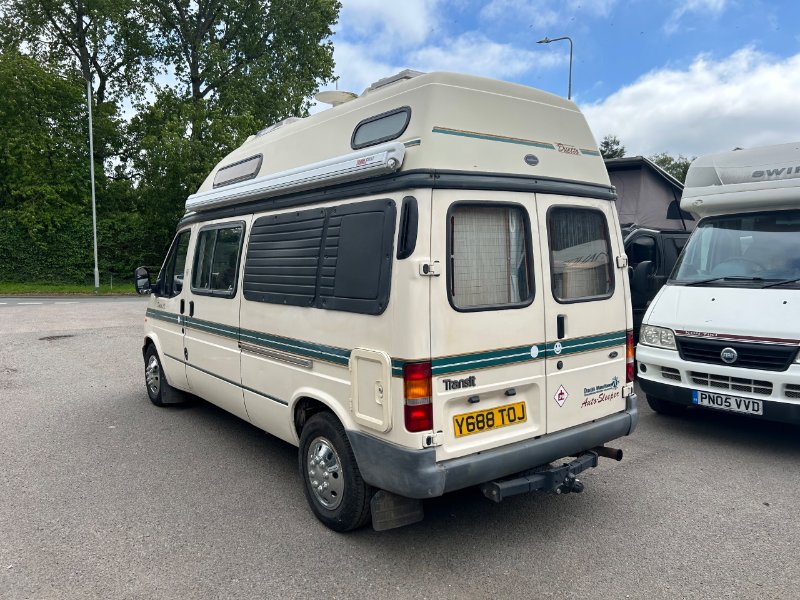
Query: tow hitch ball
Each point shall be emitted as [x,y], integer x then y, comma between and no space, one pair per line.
[571,484]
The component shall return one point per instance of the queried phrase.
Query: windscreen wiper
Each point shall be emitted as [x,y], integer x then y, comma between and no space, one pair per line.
[728,278]
[782,282]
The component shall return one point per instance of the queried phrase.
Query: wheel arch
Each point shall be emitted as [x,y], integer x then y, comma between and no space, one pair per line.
[307,403]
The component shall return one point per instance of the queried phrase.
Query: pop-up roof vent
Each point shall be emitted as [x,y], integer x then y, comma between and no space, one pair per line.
[401,76]
[277,125]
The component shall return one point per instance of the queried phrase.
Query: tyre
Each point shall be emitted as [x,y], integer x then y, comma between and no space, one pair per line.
[154,378]
[665,407]
[333,486]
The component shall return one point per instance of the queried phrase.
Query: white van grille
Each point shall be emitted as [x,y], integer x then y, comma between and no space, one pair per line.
[670,373]
[736,384]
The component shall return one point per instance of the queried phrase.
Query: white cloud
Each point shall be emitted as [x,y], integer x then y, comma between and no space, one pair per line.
[358,66]
[389,24]
[712,7]
[747,99]
[476,54]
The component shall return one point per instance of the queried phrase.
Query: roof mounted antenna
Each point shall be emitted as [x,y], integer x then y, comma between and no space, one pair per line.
[335,97]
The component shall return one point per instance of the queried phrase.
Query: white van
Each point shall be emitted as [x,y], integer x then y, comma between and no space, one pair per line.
[724,332]
[423,288]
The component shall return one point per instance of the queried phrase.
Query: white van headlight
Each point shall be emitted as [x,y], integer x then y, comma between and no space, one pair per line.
[660,337]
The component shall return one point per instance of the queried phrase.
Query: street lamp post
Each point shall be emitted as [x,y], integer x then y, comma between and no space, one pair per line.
[91,175]
[547,40]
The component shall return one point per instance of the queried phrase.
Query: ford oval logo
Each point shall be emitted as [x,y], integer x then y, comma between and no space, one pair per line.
[728,355]
[531,159]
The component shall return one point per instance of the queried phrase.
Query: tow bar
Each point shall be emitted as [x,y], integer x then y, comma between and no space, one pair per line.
[558,480]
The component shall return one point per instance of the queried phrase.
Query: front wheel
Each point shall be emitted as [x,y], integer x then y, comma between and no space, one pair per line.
[333,486]
[154,376]
[665,407]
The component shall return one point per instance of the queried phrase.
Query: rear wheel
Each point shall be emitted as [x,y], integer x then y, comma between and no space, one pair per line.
[665,407]
[333,486]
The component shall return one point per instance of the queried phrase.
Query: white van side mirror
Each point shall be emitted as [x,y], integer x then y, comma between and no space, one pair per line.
[141,277]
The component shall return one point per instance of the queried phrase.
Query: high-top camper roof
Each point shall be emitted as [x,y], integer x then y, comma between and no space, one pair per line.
[765,178]
[414,123]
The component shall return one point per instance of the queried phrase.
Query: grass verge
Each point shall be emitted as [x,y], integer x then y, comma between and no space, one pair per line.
[35,288]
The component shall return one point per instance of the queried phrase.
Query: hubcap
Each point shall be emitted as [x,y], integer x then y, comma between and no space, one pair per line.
[152,375]
[325,473]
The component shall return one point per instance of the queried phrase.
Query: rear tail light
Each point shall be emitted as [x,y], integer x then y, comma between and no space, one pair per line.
[417,385]
[630,364]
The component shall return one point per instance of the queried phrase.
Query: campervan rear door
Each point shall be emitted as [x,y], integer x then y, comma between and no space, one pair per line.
[584,295]
[487,321]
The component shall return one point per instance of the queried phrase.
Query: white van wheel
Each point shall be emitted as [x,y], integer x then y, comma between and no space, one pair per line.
[154,376]
[324,472]
[333,486]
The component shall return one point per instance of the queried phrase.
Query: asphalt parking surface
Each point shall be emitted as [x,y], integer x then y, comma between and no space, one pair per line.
[106,496]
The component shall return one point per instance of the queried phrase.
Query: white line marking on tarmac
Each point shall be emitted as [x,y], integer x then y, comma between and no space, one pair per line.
[26,303]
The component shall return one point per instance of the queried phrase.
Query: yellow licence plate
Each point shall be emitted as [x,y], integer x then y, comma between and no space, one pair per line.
[492,418]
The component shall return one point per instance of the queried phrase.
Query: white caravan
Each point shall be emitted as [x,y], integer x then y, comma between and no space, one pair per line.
[423,288]
[724,332]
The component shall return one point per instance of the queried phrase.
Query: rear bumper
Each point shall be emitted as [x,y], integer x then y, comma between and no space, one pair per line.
[416,474]
[773,411]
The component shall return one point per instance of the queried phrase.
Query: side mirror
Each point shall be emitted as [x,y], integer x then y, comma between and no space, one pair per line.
[142,278]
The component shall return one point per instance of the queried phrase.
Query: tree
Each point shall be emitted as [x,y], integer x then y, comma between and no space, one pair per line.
[105,40]
[240,65]
[235,65]
[44,169]
[677,167]
[263,59]
[611,147]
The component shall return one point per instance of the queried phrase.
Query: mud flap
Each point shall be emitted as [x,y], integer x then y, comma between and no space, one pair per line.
[390,511]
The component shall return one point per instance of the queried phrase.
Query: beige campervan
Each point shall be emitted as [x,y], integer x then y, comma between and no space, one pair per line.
[423,288]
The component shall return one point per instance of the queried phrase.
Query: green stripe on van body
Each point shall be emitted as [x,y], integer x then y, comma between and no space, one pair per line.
[163,315]
[484,360]
[588,343]
[439,366]
[490,137]
[331,354]
[211,327]
[589,152]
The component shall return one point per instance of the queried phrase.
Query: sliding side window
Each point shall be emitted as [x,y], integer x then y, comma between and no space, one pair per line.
[216,260]
[489,246]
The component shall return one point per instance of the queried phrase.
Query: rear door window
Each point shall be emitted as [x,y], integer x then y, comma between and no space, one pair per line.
[580,254]
[490,262]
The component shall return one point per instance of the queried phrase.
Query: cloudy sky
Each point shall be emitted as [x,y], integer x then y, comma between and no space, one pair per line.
[680,76]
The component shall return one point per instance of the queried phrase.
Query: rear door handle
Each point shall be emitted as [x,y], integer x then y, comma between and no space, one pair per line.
[183,305]
[560,326]
[191,308]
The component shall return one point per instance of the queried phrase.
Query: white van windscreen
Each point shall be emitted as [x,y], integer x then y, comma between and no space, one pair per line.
[580,254]
[490,262]
[755,249]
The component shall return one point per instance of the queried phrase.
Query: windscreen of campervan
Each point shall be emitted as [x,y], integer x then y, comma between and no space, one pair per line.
[749,250]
